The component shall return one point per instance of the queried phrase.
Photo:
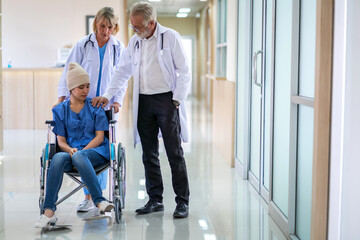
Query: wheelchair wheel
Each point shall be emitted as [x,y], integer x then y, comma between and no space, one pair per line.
[41,205]
[117,209]
[42,180]
[121,174]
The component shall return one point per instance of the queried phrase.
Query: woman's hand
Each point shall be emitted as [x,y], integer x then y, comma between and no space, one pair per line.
[97,101]
[71,151]
[64,146]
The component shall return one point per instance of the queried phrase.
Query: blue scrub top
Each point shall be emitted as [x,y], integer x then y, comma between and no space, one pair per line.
[101,53]
[79,128]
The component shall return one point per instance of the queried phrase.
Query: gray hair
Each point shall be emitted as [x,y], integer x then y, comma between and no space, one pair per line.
[144,9]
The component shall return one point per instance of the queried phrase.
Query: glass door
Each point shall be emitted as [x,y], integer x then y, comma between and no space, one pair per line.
[256,93]
[254,89]
[274,106]
[260,100]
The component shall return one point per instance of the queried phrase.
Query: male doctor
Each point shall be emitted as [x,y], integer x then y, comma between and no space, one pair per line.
[156,59]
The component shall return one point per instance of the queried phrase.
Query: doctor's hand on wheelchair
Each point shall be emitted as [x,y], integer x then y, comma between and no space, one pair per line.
[97,101]
[116,107]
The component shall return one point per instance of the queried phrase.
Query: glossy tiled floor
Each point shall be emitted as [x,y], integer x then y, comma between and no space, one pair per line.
[222,206]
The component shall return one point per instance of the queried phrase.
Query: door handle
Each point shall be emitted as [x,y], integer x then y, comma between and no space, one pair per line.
[254,67]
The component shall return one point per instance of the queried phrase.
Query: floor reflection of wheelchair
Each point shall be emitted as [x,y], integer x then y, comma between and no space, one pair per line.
[116,166]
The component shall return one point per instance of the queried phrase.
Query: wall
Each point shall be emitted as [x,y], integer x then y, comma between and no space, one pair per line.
[337,121]
[35,92]
[223,102]
[223,120]
[1,96]
[345,165]
[351,165]
[34,30]
[2,200]
[202,63]
[184,26]
[231,37]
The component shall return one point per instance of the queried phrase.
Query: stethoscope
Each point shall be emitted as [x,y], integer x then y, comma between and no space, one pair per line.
[92,44]
[137,44]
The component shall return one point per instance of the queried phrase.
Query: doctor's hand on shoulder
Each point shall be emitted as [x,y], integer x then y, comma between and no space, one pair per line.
[60,100]
[97,101]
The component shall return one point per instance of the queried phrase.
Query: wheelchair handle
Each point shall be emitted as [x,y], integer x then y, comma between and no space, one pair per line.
[51,122]
[112,112]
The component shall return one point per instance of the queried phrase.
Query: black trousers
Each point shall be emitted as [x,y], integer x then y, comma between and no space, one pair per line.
[158,111]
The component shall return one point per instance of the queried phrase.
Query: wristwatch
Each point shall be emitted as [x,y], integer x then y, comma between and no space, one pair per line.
[176,103]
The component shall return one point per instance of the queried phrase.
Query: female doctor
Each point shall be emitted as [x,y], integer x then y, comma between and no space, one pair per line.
[98,53]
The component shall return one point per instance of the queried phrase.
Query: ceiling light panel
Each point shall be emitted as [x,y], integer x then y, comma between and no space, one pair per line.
[184,10]
[181,15]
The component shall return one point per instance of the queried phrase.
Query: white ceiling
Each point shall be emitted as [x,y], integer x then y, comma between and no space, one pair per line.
[169,8]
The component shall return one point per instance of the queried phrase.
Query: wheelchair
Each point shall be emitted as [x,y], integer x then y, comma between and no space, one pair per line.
[116,166]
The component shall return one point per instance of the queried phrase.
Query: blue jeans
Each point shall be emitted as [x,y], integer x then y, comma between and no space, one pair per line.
[102,178]
[84,161]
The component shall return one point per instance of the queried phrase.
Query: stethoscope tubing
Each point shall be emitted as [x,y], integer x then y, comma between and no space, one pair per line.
[92,44]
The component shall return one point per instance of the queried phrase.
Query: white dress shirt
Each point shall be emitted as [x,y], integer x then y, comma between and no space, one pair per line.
[152,80]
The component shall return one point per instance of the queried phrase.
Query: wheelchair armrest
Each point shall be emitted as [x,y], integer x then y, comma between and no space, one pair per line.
[51,122]
[112,121]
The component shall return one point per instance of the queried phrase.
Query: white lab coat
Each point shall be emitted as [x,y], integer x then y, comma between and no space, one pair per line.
[89,58]
[174,67]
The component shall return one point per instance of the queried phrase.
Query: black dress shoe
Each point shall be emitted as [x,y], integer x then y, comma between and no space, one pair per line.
[151,206]
[181,210]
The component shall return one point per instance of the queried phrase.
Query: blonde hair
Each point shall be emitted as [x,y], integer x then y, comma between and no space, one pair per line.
[108,14]
[144,9]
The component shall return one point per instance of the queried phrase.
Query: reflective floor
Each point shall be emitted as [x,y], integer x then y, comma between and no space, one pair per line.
[222,206]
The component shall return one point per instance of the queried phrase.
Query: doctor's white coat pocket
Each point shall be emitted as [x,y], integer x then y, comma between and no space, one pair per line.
[87,61]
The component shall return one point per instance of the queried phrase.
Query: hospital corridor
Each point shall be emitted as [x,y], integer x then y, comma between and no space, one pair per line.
[223,206]
[254,103]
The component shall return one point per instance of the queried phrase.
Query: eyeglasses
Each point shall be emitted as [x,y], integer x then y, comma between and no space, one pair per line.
[138,30]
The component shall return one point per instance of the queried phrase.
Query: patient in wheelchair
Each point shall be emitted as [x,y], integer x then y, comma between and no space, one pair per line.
[79,128]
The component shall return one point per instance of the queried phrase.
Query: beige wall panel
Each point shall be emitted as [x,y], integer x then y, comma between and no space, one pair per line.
[18,100]
[209,93]
[223,116]
[45,95]
[185,26]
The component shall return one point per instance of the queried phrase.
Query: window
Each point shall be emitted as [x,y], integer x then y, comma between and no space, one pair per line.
[221,39]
